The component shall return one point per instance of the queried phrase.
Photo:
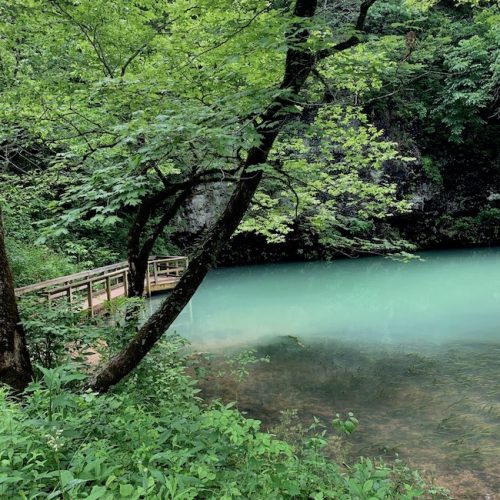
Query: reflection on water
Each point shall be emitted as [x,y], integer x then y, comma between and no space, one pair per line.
[412,349]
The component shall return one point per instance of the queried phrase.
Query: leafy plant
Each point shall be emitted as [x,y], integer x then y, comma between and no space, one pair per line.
[347,426]
[153,438]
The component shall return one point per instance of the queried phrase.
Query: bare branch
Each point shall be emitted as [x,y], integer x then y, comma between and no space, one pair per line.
[89,35]
[354,39]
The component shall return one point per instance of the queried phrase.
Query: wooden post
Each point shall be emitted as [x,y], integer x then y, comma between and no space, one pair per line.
[148,283]
[90,299]
[108,288]
[125,283]
[69,294]
[155,271]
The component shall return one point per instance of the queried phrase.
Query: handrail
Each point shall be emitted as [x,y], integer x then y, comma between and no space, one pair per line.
[85,277]
[70,277]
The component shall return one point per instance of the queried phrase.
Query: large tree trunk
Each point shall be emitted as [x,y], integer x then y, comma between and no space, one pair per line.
[15,365]
[138,265]
[299,64]
[136,261]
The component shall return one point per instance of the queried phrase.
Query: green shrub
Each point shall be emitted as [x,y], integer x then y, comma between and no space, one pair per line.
[33,263]
[154,438]
[432,170]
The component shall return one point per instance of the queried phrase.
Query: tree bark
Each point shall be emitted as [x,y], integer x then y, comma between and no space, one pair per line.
[138,254]
[137,265]
[15,364]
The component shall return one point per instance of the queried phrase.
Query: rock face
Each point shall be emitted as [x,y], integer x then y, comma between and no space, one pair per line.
[203,207]
[454,190]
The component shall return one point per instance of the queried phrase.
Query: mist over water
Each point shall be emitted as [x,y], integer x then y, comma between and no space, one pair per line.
[413,349]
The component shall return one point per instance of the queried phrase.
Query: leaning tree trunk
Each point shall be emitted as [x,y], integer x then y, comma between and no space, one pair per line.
[122,364]
[15,365]
[299,64]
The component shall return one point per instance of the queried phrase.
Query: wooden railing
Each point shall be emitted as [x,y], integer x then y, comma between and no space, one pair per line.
[90,289]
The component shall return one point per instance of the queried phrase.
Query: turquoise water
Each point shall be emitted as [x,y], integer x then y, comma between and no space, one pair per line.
[413,349]
[448,296]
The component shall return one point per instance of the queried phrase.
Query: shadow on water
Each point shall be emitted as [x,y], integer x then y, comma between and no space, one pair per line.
[412,349]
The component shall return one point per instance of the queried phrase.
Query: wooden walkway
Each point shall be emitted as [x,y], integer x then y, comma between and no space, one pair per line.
[91,289]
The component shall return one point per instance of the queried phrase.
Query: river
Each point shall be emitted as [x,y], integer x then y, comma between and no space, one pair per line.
[412,349]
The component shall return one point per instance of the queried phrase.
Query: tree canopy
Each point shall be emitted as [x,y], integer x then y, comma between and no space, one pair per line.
[328,122]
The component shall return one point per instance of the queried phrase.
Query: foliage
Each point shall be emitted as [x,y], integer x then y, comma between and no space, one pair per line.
[153,438]
[51,330]
[332,184]
[133,119]
[60,333]
[473,67]
[25,201]
[347,426]
[477,229]
[431,170]
[122,122]
[108,104]
[447,74]
[238,364]
[112,113]
[234,366]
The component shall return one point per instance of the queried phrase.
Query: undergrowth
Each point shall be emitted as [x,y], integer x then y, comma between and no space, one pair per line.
[154,438]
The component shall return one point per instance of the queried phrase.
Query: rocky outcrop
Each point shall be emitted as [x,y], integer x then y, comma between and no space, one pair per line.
[454,190]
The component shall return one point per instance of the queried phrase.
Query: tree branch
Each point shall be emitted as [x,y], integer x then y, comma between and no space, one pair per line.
[167,216]
[354,39]
[91,38]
